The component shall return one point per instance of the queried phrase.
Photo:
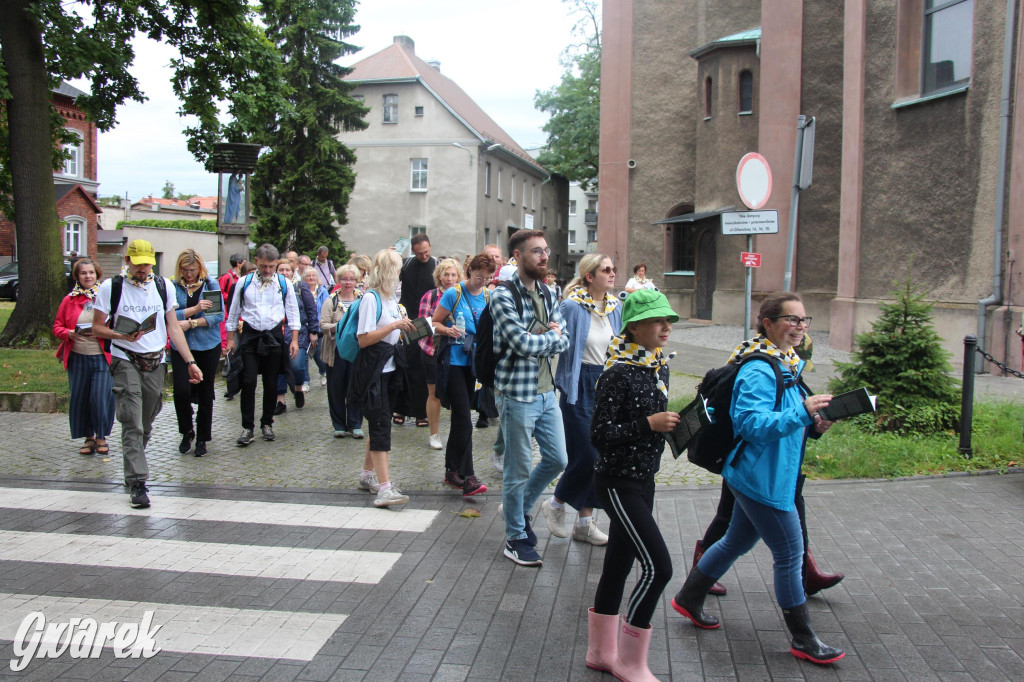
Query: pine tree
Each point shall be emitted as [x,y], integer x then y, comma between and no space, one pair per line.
[304,179]
[901,360]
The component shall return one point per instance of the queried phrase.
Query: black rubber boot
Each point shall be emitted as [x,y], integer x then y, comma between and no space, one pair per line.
[690,599]
[806,644]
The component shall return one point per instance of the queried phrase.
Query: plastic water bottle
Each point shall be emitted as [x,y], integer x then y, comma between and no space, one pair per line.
[460,324]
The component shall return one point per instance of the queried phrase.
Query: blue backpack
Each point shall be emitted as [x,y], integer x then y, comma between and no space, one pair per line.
[345,332]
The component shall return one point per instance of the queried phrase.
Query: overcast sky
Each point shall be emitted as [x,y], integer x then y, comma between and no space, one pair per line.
[500,53]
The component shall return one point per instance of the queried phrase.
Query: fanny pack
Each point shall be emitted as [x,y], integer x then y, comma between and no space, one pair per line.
[144,362]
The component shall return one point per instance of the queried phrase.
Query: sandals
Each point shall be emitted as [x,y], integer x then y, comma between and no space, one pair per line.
[103,449]
[398,419]
[422,422]
[88,447]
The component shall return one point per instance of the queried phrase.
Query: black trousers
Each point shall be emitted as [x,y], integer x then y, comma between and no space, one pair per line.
[254,366]
[413,401]
[458,455]
[633,534]
[204,391]
[720,524]
[344,417]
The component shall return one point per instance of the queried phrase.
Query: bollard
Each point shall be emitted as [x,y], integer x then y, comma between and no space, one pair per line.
[967,396]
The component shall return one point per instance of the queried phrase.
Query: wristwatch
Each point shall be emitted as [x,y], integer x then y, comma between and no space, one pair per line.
[194,323]
[190,362]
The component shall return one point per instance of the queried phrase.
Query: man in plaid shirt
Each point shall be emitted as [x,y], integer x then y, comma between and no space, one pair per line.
[524,380]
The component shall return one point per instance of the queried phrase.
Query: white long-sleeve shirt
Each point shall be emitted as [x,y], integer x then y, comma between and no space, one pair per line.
[260,306]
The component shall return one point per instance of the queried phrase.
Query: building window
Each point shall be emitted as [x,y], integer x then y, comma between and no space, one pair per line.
[358,98]
[487,178]
[73,164]
[419,111]
[533,196]
[746,92]
[417,229]
[512,190]
[707,97]
[591,236]
[499,184]
[572,207]
[524,193]
[684,248]
[487,236]
[391,108]
[418,175]
[74,229]
[947,44]
[544,218]
[572,238]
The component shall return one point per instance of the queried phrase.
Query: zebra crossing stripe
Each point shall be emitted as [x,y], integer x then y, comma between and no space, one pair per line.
[234,511]
[188,629]
[197,557]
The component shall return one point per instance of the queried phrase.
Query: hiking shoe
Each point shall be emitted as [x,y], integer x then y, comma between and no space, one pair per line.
[280,409]
[453,479]
[245,438]
[305,387]
[267,431]
[368,481]
[435,441]
[341,433]
[186,442]
[139,498]
[482,422]
[357,433]
[589,533]
[473,486]
[389,497]
[555,519]
[300,399]
[200,448]
[499,462]
[521,552]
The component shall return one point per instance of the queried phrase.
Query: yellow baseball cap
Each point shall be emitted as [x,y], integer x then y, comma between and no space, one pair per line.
[141,252]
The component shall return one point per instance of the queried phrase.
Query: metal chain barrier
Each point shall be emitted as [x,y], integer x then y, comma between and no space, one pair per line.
[999,364]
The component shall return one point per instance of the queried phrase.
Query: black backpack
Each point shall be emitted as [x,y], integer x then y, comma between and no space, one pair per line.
[485,357]
[716,440]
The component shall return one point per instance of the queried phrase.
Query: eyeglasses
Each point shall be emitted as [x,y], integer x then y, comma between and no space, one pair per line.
[609,270]
[541,251]
[794,321]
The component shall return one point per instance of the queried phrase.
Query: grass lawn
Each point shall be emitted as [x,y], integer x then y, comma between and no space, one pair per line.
[30,370]
[6,307]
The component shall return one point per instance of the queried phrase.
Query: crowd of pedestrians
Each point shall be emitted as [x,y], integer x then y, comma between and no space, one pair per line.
[581,373]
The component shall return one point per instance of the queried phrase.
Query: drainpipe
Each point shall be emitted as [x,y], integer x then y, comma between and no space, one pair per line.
[1004,133]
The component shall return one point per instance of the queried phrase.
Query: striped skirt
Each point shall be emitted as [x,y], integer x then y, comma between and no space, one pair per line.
[91,407]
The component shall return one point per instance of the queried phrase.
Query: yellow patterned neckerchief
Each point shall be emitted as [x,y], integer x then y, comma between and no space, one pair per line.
[761,344]
[191,288]
[90,292]
[127,275]
[624,352]
[582,296]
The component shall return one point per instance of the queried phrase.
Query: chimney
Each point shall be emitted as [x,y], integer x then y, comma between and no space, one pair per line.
[406,42]
[436,65]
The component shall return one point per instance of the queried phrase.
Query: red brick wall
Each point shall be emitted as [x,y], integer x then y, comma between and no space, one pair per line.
[6,238]
[75,204]
[75,118]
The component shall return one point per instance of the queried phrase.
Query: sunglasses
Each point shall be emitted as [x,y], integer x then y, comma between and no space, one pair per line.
[609,270]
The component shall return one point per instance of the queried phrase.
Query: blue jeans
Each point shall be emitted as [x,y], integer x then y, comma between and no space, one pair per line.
[780,530]
[520,423]
[300,371]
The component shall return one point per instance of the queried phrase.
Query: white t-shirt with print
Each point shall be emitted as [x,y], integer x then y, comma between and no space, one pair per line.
[368,321]
[138,303]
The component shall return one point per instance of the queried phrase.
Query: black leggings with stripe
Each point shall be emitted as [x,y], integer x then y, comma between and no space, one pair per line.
[633,534]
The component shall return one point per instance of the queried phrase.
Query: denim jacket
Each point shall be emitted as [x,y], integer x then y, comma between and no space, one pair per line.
[200,338]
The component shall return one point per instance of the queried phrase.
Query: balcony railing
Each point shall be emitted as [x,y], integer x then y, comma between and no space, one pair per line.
[590,217]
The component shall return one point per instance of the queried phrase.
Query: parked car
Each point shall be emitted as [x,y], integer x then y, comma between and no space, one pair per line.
[9,279]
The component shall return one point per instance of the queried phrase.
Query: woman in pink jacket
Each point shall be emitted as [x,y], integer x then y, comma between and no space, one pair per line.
[91,408]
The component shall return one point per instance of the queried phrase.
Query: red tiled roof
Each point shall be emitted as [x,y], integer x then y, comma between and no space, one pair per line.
[399,61]
[208,203]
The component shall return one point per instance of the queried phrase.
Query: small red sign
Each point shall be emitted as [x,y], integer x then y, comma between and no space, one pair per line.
[750,260]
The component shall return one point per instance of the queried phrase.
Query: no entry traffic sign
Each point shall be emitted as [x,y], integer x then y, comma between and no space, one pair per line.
[750,260]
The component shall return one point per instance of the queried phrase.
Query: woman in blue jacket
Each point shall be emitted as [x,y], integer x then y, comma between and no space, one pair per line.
[202,333]
[592,318]
[764,478]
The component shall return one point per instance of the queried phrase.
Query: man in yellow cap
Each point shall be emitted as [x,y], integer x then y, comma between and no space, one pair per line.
[135,313]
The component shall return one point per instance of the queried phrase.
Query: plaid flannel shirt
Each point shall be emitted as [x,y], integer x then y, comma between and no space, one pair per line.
[517,379]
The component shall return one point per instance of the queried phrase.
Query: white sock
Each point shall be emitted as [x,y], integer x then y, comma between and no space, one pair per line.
[385,486]
[582,521]
[365,473]
[556,504]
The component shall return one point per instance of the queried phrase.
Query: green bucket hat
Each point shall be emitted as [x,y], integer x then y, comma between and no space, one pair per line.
[644,304]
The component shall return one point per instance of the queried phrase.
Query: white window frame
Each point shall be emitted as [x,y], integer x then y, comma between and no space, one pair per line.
[75,229]
[524,193]
[417,229]
[390,109]
[512,192]
[572,207]
[74,167]
[592,232]
[418,175]
[533,196]
[418,111]
[572,237]
[487,178]
[499,183]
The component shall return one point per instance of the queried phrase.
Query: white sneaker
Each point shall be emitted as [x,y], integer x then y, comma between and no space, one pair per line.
[589,533]
[435,441]
[369,482]
[386,498]
[498,461]
[323,379]
[305,387]
[555,519]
